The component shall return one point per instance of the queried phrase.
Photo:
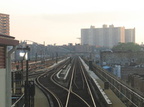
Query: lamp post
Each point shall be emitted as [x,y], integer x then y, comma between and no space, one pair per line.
[27,100]
[25,56]
[27,86]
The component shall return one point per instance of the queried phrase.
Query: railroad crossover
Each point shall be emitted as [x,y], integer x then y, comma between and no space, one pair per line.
[68,85]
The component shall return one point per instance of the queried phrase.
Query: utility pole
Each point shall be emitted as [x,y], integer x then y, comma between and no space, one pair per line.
[56,57]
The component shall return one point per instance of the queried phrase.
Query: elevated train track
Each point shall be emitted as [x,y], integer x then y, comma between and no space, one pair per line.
[68,84]
[74,91]
[128,96]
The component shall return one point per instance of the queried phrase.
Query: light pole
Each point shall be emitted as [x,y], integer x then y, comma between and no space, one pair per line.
[25,56]
[27,100]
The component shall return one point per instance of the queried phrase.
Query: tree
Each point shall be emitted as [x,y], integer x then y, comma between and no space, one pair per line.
[130,46]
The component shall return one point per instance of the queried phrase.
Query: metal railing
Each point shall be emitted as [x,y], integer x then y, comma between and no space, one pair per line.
[19,102]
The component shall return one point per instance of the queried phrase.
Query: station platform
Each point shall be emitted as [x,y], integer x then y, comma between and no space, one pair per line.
[40,99]
[116,102]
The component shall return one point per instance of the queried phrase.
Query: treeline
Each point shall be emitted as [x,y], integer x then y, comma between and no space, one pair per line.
[127,47]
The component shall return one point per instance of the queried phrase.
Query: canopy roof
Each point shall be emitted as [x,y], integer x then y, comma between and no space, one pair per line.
[8,40]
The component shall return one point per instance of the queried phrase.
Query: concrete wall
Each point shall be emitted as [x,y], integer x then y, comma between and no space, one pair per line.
[131,70]
[137,82]
[2,87]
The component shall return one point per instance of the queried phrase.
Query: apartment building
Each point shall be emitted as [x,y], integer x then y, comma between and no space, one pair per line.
[130,35]
[4,24]
[106,36]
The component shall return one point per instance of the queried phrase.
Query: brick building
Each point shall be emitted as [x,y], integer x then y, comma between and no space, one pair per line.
[5,68]
[4,24]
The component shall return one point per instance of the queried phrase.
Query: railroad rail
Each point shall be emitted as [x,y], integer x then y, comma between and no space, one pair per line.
[77,92]
[37,68]
[104,100]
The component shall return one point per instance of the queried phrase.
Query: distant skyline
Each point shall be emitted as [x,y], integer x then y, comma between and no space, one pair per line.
[60,22]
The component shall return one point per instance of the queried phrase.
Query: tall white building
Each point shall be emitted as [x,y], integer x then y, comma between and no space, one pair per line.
[105,37]
[130,35]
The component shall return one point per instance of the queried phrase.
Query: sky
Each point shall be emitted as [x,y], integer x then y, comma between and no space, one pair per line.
[60,21]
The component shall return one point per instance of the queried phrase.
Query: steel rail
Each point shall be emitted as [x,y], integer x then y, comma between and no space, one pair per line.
[71,92]
[51,92]
[75,80]
[80,98]
[88,86]
[57,99]
[69,89]
[51,78]
[82,80]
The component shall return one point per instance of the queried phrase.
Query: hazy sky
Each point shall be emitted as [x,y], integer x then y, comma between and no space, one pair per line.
[60,21]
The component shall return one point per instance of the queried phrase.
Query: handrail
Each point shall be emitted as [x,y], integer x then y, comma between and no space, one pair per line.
[17,101]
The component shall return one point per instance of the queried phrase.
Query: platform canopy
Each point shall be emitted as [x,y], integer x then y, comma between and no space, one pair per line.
[8,40]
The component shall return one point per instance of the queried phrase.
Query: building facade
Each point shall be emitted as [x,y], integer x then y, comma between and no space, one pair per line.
[124,58]
[130,35]
[4,24]
[106,36]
